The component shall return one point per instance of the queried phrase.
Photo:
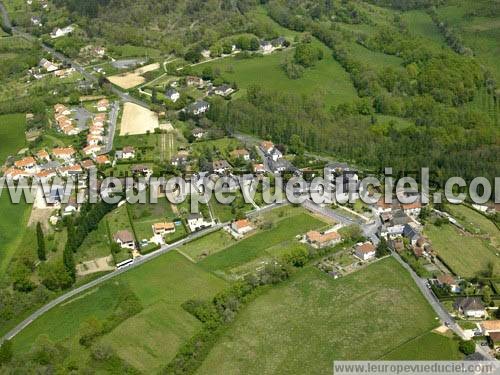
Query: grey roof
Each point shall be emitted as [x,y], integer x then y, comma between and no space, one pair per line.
[51,165]
[278,41]
[224,87]
[220,164]
[410,232]
[469,303]
[197,105]
[400,218]
[170,92]
[195,216]
[280,164]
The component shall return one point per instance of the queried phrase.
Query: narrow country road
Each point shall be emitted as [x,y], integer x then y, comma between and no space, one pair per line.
[137,262]
[5,17]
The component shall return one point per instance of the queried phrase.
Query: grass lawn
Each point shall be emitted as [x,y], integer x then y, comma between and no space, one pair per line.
[327,78]
[428,347]
[376,60]
[255,246]
[207,245]
[13,221]
[12,129]
[147,340]
[95,245]
[420,24]
[312,319]
[476,223]
[467,255]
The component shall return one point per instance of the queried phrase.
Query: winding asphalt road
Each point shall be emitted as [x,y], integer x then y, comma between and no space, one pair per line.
[137,262]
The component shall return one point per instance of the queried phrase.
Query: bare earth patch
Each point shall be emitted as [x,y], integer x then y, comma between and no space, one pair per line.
[137,120]
[95,265]
[131,79]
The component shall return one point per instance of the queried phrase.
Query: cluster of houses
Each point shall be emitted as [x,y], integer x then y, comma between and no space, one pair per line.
[274,158]
[95,136]
[64,122]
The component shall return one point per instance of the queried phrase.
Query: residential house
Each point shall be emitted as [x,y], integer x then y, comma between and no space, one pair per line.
[199,107]
[64,153]
[490,326]
[241,226]
[196,222]
[103,105]
[280,166]
[194,81]
[15,174]
[412,209]
[58,32]
[27,164]
[142,170]
[365,251]
[259,168]
[393,224]
[70,170]
[160,229]
[279,42]
[240,153]
[46,175]
[71,207]
[61,109]
[49,66]
[102,160]
[91,149]
[450,281]
[87,164]
[94,139]
[43,155]
[410,231]
[199,133]
[224,90]
[36,20]
[172,94]
[321,240]
[128,152]
[99,119]
[470,307]
[266,147]
[266,46]
[125,239]
[219,167]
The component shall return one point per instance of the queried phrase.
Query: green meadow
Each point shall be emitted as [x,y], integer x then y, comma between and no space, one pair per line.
[312,320]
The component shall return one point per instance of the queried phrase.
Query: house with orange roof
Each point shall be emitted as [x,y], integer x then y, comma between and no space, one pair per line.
[65,153]
[46,175]
[321,240]
[365,251]
[490,326]
[70,170]
[267,146]
[160,229]
[259,168]
[43,155]
[102,160]
[241,226]
[91,149]
[412,209]
[103,105]
[87,164]
[96,130]
[61,109]
[99,120]
[27,164]
[15,174]
[240,154]
[94,139]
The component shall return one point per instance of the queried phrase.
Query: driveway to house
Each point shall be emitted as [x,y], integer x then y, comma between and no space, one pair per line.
[137,262]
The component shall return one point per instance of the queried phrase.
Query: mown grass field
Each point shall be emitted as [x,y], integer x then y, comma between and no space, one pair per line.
[207,245]
[428,347]
[312,319]
[14,216]
[147,340]
[476,223]
[12,129]
[467,255]
[327,78]
[255,246]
